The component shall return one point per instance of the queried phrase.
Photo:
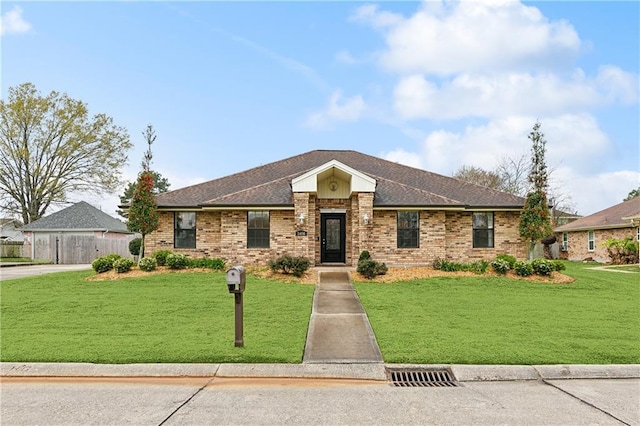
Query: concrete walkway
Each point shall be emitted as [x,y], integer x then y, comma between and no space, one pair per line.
[339,330]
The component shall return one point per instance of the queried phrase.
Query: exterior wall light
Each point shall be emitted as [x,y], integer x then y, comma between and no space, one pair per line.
[301,219]
[365,219]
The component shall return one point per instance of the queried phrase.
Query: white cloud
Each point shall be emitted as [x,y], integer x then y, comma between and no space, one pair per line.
[338,109]
[370,14]
[345,57]
[576,149]
[13,23]
[594,192]
[500,94]
[445,38]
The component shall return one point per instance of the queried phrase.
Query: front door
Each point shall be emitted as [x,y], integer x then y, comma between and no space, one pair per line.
[332,234]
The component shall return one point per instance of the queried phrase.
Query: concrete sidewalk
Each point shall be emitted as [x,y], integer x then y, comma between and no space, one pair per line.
[339,329]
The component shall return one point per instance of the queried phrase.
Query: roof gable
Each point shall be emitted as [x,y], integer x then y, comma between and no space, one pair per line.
[79,216]
[308,182]
[618,216]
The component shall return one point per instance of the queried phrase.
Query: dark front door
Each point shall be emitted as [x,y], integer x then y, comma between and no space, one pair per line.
[332,234]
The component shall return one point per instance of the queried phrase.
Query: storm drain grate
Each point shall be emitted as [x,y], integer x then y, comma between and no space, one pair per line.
[411,377]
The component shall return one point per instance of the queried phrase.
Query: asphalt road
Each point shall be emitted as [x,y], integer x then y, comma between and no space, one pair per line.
[272,401]
[12,272]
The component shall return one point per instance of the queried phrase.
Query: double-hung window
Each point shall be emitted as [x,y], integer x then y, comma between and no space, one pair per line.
[483,230]
[408,230]
[258,229]
[565,241]
[591,241]
[184,230]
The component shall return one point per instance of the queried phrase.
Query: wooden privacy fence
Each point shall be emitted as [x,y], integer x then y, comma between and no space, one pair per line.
[78,249]
[12,249]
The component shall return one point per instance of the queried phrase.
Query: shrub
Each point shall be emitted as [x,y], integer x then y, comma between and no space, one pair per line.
[501,266]
[437,264]
[624,251]
[123,265]
[296,266]
[478,267]
[147,264]
[176,261]
[559,265]
[369,268]
[112,257]
[542,266]
[105,263]
[215,263]
[134,246]
[522,268]
[102,264]
[448,266]
[364,255]
[161,256]
[511,260]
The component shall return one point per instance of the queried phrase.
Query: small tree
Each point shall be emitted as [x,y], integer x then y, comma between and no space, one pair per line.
[143,213]
[160,185]
[535,222]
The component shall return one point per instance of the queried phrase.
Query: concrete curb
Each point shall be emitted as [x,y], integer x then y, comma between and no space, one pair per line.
[587,371]
[462,373]
[483,373]
[327,371]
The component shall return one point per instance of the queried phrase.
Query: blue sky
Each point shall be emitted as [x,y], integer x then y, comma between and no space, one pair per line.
[435,85]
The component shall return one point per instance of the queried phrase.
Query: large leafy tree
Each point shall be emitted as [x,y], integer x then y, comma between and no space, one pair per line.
[50,147]
[535,219]
[160,184]
[479,176]
[143,213]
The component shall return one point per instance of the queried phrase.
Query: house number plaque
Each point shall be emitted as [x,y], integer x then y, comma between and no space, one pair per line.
[301,233]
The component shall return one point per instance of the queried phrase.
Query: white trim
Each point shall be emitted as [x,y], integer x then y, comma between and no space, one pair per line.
[308,182]
[333,210]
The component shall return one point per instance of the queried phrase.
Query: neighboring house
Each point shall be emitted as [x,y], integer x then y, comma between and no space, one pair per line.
[77,234]
[10,230]
[329,206]
[581,239]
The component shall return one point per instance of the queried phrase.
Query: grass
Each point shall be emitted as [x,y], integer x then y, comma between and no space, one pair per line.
[488,320]
[190,318]
[163,318]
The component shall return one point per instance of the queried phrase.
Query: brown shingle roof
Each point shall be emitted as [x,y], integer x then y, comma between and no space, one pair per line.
[611,217]
[397,185]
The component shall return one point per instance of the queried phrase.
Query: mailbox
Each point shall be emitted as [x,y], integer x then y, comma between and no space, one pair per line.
[236,279]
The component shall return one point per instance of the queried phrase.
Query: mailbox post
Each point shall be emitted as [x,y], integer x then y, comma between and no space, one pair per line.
[236,281]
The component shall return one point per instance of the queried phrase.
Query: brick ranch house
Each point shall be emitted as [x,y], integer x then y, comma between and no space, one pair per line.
[582,238]
[328,206]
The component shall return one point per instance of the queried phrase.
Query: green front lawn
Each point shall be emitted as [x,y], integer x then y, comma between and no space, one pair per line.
[488,320]
[162,318]
[189,317]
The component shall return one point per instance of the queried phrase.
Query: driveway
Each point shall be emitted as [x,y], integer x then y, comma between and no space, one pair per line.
[21,271]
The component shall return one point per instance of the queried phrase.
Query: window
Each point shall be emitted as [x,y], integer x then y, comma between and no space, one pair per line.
[591,241]
[258,229]
[184,230]
[408,230]
[483,230]
[565,242]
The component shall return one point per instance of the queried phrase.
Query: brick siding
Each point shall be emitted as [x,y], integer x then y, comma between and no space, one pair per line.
[578,243]
[443,234]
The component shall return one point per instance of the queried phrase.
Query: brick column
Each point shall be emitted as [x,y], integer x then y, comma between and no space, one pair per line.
[362,230]
[303,243]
